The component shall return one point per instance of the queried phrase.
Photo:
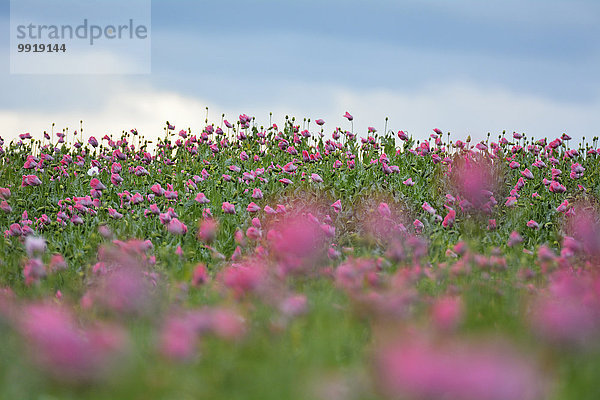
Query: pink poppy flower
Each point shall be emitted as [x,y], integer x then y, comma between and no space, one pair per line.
[428,208]
[527,173]
[228,208]
[563,206]
[511,201]
[337,206]
[96,184]
[4,206]
[116,179]
[514,239]
[177,227]
[269,210]
[556,187]
[253,233]
[207,231]
[202,199]
[257,193]
[418,226]
[449,219]
[533,224]
[114,213]
[316,178]
[252,207]
[30,180]
[514,165]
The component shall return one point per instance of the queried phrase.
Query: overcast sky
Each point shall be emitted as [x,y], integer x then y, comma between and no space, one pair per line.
[464,66]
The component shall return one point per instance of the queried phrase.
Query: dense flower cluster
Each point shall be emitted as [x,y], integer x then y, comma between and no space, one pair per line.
[376,265]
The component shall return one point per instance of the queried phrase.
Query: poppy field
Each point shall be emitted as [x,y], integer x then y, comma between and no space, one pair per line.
[303,261]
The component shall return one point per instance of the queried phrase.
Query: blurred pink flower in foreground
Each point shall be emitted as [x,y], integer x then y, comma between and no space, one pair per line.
[177,227]
[568,312]
[417,369]
[66,351]
[447,313]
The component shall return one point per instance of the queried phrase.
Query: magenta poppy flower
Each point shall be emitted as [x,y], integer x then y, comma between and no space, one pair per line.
[114,213]
[408,182]
[320,122]
[556,187]
[348,116]
[253,233]
[207,231]
[577,171]
[14,230]
[4,206]
[563,206]
[252,207]
[527,173]
[449,219]
[285,181]
[202,199]
[532,224]
[316,178]
[511,201]
[514,239]
[116,179]
[555,143]
[514,165]
[164,218]
[200,275]
[228,208]
[157,189]
[269,210]
[290,167]
[171,194]
[402,135]
[337,206]
[257,193]
[540,164]
[418,226]
[96,184]
[428,208]
[154,209]
[5,193]
[30,180]
[177,227]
